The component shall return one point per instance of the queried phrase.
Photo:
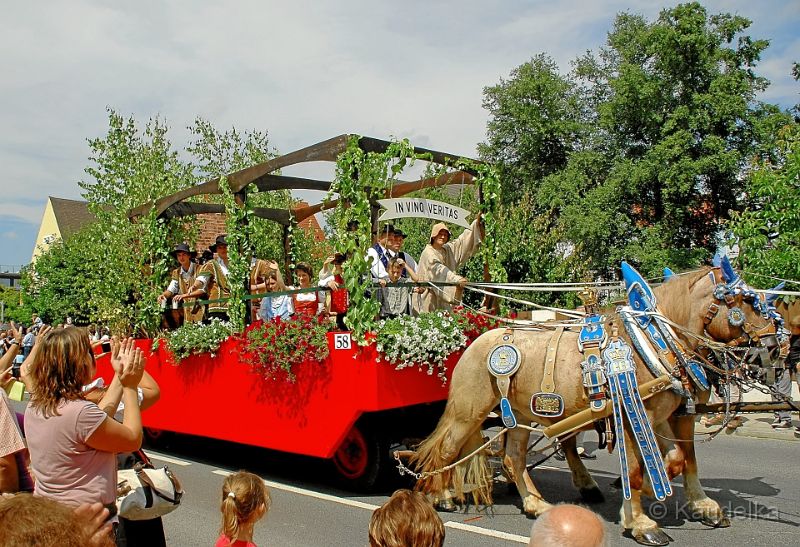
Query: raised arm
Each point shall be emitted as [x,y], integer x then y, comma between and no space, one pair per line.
[117,437]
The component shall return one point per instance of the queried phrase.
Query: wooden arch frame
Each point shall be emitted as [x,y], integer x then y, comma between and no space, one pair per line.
[176,205]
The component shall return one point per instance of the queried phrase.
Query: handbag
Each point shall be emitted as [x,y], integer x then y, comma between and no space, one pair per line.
[145,493]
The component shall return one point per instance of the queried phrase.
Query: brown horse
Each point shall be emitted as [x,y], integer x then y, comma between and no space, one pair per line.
[685,300]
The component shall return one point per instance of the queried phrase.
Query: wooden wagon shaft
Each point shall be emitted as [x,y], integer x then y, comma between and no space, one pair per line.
[586,416]
[766,406]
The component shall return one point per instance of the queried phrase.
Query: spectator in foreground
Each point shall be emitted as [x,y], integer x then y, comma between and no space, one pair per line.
[13,454]
[407,520]
[568,525]
[245,501]
[32,520]
[72,442]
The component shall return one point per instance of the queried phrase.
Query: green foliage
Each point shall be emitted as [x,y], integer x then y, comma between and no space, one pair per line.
[112,271]
[280,345]
[237,226]
[15,310]
[119,267]
[768,231]
[636,154]
[196,338]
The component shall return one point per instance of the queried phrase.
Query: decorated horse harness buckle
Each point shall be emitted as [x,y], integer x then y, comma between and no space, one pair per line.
[504,360]
[547,405]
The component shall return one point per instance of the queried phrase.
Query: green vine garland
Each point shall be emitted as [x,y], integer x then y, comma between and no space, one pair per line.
[237,225]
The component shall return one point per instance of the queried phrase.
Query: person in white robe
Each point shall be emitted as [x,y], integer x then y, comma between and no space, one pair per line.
[439,261]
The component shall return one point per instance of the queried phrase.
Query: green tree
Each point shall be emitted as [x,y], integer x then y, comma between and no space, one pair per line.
[768,231]
[654,133]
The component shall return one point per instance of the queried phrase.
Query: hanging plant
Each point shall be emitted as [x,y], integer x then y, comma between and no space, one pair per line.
[196,338]
[424,342]
[280,345]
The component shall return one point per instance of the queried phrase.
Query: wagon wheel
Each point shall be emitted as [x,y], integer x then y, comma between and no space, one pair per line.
[362,459]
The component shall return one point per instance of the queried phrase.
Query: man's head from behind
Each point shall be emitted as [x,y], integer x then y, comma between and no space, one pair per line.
[568,525]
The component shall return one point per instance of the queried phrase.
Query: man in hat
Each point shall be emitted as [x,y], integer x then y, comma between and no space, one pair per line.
[439,261]
[379,254]
[212,281]
[395,244]
[183,278]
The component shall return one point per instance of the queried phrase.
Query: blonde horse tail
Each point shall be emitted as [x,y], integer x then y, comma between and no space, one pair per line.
[450,441]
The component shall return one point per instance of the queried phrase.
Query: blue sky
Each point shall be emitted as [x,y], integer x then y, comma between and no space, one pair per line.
[304,71]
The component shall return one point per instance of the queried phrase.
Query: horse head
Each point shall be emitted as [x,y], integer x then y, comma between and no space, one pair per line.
[734,314]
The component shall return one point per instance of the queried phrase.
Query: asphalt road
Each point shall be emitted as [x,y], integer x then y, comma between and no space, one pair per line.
[757,481]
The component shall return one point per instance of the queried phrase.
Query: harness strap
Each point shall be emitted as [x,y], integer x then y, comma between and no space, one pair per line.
[548,381]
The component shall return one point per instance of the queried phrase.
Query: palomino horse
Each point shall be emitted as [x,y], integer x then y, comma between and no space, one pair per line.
[684,300]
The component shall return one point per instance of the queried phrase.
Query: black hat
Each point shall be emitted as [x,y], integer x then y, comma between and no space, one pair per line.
[400,233]
[388,229]
[182,247]
[221,240]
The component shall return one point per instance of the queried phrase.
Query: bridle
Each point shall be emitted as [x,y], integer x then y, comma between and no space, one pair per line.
[761,339]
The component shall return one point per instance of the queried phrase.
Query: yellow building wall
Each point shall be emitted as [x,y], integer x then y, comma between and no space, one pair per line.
[48,232]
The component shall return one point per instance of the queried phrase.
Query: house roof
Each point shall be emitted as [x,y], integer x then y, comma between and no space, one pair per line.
[71,215]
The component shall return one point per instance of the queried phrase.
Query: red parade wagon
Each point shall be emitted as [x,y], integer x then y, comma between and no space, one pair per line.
[350,407]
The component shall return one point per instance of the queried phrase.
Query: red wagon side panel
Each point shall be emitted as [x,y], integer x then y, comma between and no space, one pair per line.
[222,398]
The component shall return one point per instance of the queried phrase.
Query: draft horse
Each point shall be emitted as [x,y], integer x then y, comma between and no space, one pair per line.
[684,300]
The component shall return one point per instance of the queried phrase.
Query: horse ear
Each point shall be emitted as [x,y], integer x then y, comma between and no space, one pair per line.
[728,273]
[668,274]
[771,297]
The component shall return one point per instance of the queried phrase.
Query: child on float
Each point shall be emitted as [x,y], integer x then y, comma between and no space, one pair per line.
[245,501]
[308,303]
[394,300]
[275,306]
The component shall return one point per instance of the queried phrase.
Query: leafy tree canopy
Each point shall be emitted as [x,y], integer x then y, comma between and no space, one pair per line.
[637,153]
[112,270]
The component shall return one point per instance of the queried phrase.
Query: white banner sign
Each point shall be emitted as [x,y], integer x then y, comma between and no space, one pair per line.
[423,208]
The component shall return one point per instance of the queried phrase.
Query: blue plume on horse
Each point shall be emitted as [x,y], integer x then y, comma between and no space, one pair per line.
[728,274]
[717,260]
[771,297]
[668,274]
[640,295]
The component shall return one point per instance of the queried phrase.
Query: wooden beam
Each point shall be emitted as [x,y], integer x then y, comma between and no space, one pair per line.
[266,183]
[396,191]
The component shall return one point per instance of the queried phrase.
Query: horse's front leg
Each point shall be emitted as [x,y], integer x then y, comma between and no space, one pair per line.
[515,463]
[708,510]
[632,515]
[581,478]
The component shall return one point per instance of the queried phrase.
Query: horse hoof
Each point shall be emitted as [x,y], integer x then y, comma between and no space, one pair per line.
[446,506]
[721,522]
[655,536]
[592,495]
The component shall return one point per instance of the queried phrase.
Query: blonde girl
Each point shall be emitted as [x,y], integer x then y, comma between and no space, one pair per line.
[245,500]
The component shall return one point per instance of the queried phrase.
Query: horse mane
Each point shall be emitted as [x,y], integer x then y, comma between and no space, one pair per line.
[673,295]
